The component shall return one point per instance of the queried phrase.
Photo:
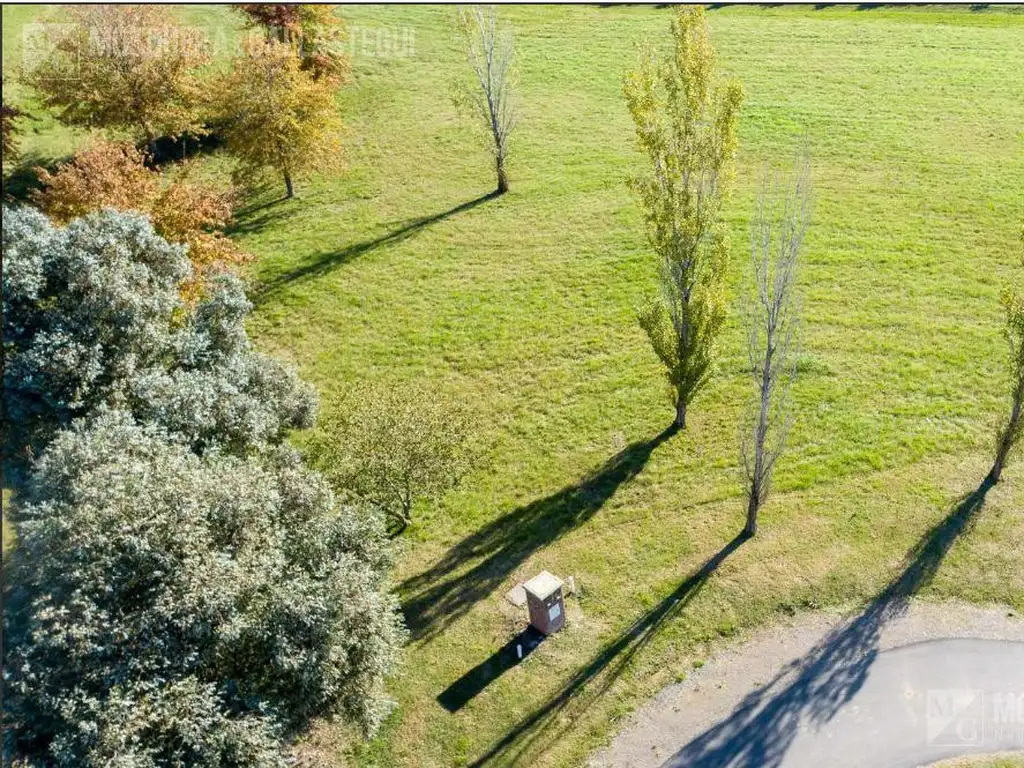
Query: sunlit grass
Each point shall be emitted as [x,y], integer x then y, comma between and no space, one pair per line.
[522,306]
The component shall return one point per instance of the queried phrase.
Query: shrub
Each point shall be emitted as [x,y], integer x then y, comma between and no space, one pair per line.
[114,175]
[395,447]
[176,609]
[93,316]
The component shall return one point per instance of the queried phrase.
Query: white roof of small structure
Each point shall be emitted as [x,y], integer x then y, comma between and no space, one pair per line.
[543,584]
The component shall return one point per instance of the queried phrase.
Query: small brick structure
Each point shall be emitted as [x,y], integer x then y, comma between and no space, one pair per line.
[545,602]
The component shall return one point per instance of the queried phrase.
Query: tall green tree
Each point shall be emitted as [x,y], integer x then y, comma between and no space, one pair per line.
[686,126]
[1012,430]
[278,115]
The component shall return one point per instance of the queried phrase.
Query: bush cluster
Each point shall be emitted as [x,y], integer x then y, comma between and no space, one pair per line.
[184,591]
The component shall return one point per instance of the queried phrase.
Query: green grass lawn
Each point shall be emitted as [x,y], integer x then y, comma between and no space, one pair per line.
[401,269]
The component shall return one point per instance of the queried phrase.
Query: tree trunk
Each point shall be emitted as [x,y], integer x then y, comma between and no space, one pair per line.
[1006,440]
[750,528]
[681,413]
[502,177]
[398,528]
[288,185]
[997,467]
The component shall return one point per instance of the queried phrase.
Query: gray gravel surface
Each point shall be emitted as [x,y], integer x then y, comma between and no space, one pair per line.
[898,688]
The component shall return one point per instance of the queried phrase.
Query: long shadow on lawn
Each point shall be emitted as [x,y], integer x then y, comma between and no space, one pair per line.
[621,651]
[812,689]
[761,728]
[322,263]
[438,596]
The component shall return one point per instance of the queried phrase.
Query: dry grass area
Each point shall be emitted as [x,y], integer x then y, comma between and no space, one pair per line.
[985,761]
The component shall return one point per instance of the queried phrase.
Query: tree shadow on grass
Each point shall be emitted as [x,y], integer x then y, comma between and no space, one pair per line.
[812,689]
[322,263]
[761,728]
[610,662]
[440,595]
[258,216]
[23,179]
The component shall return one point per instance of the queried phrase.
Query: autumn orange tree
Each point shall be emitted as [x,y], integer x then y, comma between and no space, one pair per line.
[277,115]
[315,32]
[182,209]
[123,66]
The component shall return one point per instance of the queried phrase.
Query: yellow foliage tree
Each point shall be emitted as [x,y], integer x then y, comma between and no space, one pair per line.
[1013,428]
[123,66]
[278,115]
[114,175]
[686,125]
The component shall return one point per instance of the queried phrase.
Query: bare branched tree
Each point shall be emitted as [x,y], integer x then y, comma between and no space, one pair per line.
[490,49]
[771,308]
[1012,430]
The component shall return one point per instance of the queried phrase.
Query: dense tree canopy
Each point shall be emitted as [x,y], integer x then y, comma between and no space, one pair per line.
[316,32]
[93,316]
[183,591]
[176,609]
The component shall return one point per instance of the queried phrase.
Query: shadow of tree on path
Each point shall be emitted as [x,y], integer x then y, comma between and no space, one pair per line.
[615,658]
[442,594]
[322,263]
[812,689]
[760,729]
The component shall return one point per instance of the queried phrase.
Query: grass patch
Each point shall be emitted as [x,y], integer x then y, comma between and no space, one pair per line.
[404,269]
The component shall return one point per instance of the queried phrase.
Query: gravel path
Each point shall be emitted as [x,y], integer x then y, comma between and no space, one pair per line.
[824,690]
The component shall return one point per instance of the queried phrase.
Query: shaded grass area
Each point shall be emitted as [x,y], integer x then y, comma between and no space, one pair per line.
[436,597]
[403,269]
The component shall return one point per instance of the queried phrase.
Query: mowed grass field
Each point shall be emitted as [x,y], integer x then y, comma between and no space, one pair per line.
[402,269]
